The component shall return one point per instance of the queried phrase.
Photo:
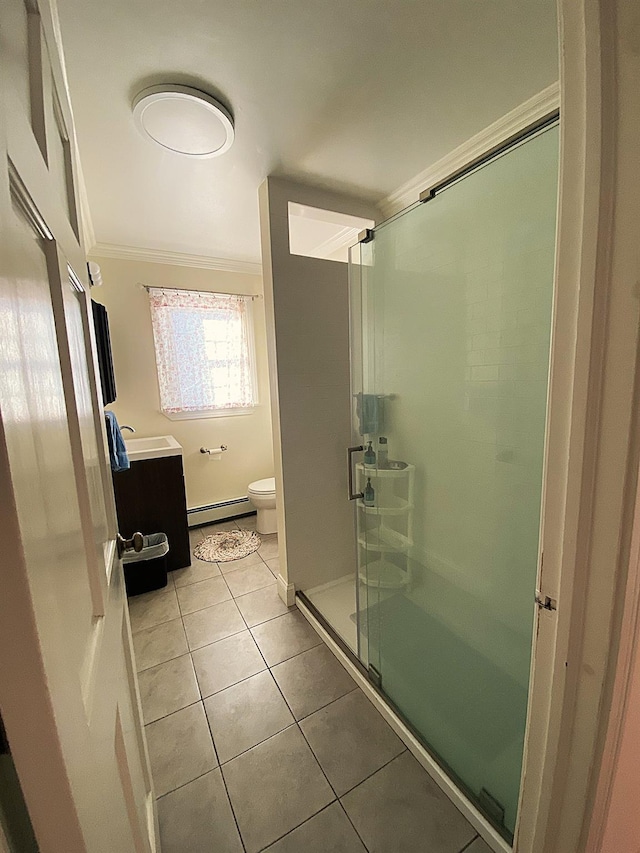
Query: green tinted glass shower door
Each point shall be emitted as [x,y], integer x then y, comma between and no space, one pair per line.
[456,299]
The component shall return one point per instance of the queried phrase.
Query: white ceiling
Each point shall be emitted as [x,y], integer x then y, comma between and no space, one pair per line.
[359,95]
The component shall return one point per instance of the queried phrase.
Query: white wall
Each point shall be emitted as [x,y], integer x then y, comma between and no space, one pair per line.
[250,455]
[307,303]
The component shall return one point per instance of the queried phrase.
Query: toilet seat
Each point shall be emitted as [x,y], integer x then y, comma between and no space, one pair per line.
[264,487]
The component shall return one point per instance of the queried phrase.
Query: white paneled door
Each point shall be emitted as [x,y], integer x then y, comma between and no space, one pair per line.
[68,694]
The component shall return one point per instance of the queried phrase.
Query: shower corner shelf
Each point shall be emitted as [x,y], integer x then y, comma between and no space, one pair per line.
[393,488]
[383,575]
[386,529]
[386,473]
[399,506]
[384,541]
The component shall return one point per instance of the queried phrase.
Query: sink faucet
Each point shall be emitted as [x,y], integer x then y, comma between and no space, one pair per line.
[126,426]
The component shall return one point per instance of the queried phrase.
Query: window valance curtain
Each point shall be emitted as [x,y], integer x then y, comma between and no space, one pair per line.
[204,351]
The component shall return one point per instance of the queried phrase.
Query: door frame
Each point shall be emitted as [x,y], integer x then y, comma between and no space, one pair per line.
[592,452]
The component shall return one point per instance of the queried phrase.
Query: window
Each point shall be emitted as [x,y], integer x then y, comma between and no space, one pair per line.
[204,352]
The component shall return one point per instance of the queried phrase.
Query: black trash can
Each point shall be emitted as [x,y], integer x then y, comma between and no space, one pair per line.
[146,570]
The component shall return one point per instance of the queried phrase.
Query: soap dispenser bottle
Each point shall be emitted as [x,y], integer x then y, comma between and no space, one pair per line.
[369,494]
[369,456]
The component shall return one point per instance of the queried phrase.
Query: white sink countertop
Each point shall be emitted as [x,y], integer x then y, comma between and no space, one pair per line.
[152,448]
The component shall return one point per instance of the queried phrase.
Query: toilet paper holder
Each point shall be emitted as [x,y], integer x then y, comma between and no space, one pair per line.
[214,450]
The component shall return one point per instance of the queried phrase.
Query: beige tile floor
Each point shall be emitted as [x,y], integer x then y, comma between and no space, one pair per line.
[259,739]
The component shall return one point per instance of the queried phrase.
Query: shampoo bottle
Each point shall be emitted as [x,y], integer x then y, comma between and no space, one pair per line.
[369,494]
[383,453]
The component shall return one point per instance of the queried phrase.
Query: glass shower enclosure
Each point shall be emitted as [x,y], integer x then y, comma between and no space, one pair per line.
[451,305]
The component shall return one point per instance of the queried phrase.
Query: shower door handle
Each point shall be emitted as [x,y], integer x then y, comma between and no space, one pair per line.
[350,451]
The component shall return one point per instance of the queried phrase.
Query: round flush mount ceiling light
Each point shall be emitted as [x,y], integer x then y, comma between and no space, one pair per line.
[184,120]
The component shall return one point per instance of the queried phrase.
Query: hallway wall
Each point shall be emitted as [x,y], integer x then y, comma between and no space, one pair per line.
[307,304]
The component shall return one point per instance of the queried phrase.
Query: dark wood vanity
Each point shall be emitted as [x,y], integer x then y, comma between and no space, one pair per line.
[151,498]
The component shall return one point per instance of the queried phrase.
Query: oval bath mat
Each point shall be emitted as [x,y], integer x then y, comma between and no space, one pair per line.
[226,546]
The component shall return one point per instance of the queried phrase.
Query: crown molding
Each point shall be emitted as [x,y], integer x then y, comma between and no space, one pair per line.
[179,259]
[536,109]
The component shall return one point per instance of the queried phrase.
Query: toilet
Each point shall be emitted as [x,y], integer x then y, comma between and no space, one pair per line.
[262,495]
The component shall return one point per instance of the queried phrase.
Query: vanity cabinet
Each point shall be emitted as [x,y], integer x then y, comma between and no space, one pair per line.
[151,498]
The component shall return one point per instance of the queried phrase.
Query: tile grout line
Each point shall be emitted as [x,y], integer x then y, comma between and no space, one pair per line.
[286,660]
[328,781]
[260,743]
[171,713]
[348,817]
[297,654]
[247,628]
[322,707]
[353,787]
[234,597]
[221,765]
[174,657]
[224,782]
[213,741]
[295,722]
[306,820]
[269,669]
[206,645]
[184,784]
[257,589]
[218,766]
[246,678]
[200,580]
[235,683]
[201,701]
[362,781]
[174,589]
[224,575]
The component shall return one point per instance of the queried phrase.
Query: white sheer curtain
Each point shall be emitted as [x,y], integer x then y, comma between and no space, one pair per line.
[204,351]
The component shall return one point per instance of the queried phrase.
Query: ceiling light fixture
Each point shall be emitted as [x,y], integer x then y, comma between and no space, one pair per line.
[184,120]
